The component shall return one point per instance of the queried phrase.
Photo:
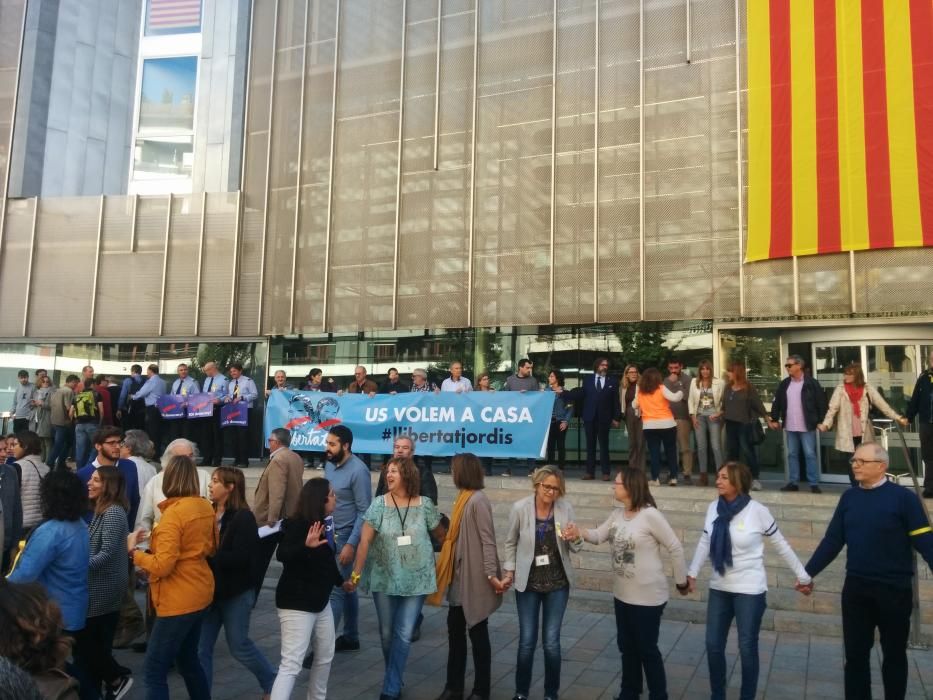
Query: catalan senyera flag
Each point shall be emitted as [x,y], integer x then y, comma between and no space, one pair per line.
[840,126]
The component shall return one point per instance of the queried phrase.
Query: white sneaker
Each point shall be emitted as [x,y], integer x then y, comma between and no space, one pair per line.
[672,482]
[654,482]
[756,485]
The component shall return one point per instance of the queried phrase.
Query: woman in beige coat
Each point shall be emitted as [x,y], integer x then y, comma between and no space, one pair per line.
[852,402]
[469,567]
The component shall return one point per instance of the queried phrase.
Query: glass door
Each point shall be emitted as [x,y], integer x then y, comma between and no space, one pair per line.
[829,363]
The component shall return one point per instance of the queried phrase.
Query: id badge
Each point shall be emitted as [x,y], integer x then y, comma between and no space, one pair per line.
[403,540]
[706,402]
[542,560]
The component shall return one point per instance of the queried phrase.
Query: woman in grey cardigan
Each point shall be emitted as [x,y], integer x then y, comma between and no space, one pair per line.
[537,564]
[470,562]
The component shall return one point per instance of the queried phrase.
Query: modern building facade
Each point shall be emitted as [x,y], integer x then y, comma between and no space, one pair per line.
[404,182]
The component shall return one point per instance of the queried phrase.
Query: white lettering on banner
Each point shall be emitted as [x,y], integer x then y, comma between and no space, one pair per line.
[425,414]
[377,415]
[511,414]
[467,416]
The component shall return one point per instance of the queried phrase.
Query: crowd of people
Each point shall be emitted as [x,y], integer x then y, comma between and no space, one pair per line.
[75,542]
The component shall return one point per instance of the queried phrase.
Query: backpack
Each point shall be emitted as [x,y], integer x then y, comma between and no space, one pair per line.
[85,405]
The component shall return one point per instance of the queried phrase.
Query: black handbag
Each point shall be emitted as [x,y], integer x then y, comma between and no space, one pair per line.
[756,433]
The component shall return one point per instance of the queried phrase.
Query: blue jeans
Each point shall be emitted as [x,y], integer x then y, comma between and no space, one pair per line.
[62,437]
[175,638]
[795,443]
[637,628]
[233,615]
[654,438]
[397,615]
[739,445]
[84,442]
[342,602]
[707,433]
[552,606]
[747,609]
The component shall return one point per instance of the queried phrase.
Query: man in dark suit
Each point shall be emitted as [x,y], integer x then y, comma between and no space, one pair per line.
[601,410]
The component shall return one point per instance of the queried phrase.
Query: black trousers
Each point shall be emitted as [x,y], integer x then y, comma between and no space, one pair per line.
[926,452]
[154,427]
[20,424]
[206,432]
[240,434]
[557,445]
[597,430]
[457,653]
[92,653]
[865,606]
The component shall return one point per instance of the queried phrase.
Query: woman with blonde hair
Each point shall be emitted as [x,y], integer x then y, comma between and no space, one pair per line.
[852,402]
[234,567]
[741,409]
[705,406]
[537,564]
[400,574]
[468,570]
[636,437]
[181,585]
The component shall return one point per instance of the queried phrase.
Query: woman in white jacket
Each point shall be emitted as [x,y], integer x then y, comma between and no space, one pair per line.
[705,406]
[852,402]
[734,539]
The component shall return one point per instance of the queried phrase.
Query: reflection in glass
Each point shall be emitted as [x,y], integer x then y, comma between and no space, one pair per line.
[167,96]
[892,370]
[166,157]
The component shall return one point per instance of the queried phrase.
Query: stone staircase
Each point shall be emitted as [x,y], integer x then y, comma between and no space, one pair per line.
[802,517]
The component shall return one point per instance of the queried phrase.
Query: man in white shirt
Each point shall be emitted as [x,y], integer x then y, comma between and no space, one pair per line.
[149,513]
[456,382]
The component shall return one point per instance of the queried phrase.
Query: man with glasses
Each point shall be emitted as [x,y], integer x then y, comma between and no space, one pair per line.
[879,523]
[921,407]
[107,442]
[799,405]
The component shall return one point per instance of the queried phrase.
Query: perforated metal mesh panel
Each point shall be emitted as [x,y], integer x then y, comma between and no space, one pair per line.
[823,284]
[17,234]
[618,236]
[511,277]
[63,268]
[117,234]
[134,276]
[363,229]
[894,281]
[181,273]
[217,267]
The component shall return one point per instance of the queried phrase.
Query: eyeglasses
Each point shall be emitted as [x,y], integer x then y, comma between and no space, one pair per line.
[549,488]
[862,462]
[791,364]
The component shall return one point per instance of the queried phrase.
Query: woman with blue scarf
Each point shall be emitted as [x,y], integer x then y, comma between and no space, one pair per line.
[733,538]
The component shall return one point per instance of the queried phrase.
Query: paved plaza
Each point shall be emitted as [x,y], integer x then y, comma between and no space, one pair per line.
[792,665]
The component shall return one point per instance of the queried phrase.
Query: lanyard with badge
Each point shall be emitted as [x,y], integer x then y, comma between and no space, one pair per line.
[540,536]
[402,540]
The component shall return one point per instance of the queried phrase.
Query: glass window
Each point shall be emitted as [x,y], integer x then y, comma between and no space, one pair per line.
[163,158]
[173,17]
[166,102]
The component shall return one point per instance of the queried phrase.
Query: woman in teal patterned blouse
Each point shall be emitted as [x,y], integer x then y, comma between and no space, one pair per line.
[396,549]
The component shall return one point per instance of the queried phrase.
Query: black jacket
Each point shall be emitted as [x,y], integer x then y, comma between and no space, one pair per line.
[235,563]
[599,405]
[921,401]
[309,573]
[812,397]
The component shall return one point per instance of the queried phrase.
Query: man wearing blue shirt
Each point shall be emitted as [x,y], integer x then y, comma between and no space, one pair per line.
[150,393]
[240,389]
[349,478]
[207,430]
[182,386]
[880,524]
[107,444]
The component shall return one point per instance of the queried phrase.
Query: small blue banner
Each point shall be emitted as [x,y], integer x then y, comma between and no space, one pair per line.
[488,424]
[171,406]
[234,414]
[200,405]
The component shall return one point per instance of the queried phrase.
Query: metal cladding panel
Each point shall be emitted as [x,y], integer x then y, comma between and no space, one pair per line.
[823,284]
[434,233]
[618,247]
[66,241]
[217,265]
[129,292]
[181,278]
[366,167]
[250,252]
[11,24]
[17,235]
[894,281]
[573,178]
[512,251]
[117,234]
[769,288]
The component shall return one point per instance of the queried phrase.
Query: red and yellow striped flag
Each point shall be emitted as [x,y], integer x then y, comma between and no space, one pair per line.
[840,126]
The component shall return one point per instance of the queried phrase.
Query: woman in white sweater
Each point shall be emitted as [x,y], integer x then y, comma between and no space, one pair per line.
[705,406]
[733,538]
[637,532]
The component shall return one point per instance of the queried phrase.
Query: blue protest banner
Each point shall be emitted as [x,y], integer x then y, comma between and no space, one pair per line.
[171,407]
[234,414]
[501,424]
[200,405]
